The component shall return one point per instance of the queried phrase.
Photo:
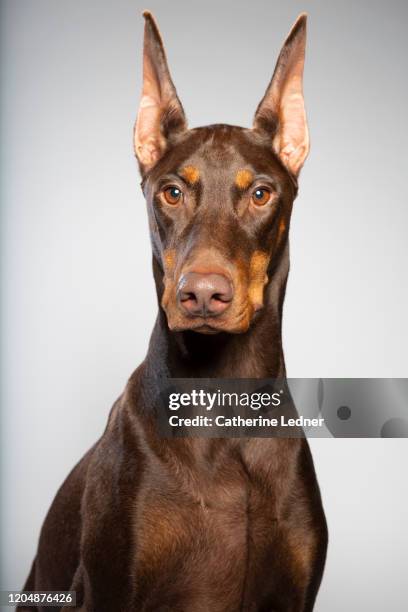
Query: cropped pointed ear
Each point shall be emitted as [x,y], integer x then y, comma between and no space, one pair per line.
[281,112]
[160,112]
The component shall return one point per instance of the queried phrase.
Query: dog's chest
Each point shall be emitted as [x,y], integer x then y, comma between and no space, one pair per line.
[192,528]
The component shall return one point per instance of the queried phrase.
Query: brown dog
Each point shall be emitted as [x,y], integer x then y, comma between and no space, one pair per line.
[144,523]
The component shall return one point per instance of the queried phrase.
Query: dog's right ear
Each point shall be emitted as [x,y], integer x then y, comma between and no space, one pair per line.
[160,112]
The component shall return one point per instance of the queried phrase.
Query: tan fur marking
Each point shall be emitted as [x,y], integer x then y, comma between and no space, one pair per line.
[169,264]
[169,261]
[164,531]
[302,555]
[191,174]
[282,227]
[243,179]
[258,265]
[258,277]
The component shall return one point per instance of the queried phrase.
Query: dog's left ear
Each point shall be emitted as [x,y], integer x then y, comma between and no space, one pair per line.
[282,109]
[160,112]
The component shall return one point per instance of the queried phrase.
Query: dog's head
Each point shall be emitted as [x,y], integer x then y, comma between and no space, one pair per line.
[219,197]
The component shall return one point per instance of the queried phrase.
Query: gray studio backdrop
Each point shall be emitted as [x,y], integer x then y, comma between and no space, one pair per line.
[78,296]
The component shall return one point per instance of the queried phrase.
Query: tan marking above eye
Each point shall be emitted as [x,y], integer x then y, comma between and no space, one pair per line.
[191,174]
[243,179]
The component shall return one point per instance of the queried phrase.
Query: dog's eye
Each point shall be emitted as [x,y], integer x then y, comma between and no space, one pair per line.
[172,195]
[261,196]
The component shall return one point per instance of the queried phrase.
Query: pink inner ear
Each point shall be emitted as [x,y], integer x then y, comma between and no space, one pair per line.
[284,99]
[292,141]
[158,96]
[149,142]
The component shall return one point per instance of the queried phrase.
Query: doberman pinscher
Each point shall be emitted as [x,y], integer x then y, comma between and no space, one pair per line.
[200,524]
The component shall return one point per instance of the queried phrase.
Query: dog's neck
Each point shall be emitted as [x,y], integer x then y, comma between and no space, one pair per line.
[256,353]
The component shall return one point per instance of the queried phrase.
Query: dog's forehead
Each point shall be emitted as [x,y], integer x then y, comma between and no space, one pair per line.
[227,151]
[214,162]
[223,154]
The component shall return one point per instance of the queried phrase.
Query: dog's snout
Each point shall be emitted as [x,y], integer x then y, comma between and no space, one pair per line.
[204,295]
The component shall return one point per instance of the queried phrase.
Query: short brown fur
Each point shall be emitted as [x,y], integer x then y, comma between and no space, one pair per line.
[200,525]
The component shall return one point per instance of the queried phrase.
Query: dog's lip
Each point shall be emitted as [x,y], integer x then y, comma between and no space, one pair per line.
[202,327]
[205,327]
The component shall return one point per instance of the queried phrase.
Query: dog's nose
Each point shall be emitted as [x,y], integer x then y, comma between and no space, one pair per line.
[204,295]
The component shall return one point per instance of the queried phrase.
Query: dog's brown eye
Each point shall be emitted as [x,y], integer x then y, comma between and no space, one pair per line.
[172,195]
[261,196]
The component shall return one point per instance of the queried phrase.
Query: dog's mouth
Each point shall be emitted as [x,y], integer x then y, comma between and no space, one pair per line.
[209,330]
[208,325]
[206,329]
[202,329]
